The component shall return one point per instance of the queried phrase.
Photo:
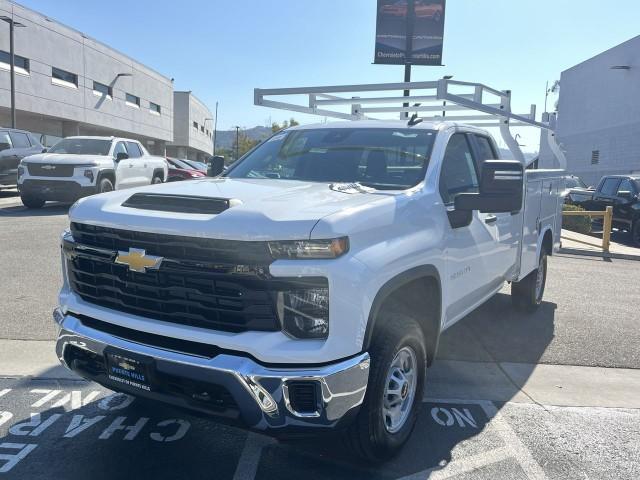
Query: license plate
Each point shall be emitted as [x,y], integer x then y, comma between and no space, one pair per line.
[129,369]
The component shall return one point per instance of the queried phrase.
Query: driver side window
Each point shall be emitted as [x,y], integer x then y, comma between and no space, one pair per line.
[458,174]
[119,148]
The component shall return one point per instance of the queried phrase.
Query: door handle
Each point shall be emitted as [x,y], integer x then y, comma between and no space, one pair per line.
[490,219]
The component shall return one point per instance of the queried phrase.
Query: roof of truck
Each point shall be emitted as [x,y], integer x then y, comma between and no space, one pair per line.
[424,125]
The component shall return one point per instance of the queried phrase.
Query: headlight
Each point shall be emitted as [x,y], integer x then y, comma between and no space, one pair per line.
[305,312]
[309,249]
[89,174]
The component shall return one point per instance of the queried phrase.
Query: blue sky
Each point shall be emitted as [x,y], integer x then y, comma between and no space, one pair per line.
[221,50]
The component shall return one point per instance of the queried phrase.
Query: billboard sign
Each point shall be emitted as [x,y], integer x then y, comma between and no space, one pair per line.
[425,25]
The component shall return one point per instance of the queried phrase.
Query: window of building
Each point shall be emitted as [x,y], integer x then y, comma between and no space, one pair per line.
[132,100]
[19,140]
[458,173]
[21,64]
[102,90]
[195,125]
[63,78]
[154,108]
[595,157]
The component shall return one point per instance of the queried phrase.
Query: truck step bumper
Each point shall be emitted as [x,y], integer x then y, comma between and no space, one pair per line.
[234,387]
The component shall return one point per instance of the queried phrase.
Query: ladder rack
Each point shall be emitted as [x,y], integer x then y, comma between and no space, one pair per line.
[445,99]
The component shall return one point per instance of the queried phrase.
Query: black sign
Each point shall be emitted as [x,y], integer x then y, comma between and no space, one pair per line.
[424,26]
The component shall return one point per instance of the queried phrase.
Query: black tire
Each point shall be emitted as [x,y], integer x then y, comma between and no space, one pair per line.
[105,185]
[526,294]
[635,233]
[369,436]
[156,180]
[31,201]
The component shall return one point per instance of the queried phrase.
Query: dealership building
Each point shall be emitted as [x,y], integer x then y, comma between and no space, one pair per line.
[192,128]
[67,83]
[598,119]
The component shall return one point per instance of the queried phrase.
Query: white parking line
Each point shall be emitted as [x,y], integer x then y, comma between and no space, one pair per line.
[250,456]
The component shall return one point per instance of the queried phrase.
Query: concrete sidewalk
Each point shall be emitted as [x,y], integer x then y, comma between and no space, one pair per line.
[580,244]
[561,385]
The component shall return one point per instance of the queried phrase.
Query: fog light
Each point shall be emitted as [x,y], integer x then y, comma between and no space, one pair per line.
[89,175]
[305,313]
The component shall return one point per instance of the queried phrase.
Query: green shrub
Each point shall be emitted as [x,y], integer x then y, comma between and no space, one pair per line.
[581,224]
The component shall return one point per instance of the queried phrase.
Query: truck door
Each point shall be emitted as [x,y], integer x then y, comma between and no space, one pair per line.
[124,168]
[469,248]
[140,174]
[623,203]
[507,229]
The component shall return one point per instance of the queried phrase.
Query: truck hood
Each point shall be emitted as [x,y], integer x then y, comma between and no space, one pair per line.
[66,158]
[261,209]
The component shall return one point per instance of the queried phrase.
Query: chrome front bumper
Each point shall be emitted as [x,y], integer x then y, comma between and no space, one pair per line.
[261,393]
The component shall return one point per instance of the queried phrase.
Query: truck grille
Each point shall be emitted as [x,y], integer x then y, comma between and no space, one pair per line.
[215,293]
[50,169]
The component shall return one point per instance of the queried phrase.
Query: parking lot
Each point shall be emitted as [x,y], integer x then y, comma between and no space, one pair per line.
[549,395]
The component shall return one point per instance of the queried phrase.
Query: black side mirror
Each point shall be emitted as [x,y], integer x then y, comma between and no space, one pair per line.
[44,150]
[501,188]
[217,166]
[121,156]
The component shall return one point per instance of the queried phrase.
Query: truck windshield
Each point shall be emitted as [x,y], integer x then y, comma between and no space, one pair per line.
[82,146]
[381,158]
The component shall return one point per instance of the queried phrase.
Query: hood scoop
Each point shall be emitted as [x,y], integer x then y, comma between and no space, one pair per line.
[180,203]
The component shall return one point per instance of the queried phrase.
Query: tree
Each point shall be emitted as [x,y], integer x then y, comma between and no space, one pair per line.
[244,144]
[276,127]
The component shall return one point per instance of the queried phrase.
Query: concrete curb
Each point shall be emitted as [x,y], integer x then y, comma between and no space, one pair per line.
[593,253]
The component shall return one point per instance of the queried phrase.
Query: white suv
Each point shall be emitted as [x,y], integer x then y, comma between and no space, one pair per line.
[79,166]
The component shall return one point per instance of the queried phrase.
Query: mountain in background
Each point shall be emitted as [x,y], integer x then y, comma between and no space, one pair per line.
[226,138]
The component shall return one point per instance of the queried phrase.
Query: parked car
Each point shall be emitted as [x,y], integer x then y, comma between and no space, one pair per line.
[14,146]
[201,166]
[575,190]
[306,289]
[622,192]
[79,166]
[180,170]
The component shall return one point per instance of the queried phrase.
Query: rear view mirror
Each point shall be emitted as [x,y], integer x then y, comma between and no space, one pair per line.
[501,188]
[217,166]
[121,156]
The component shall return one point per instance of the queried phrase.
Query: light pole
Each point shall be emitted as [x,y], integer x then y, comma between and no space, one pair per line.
[215,129]
[12,23]
[205,125]
[237,140]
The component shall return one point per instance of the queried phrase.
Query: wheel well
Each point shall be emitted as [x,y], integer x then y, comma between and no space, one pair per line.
[417,296]
[110,174]
[547,242]
[159,172]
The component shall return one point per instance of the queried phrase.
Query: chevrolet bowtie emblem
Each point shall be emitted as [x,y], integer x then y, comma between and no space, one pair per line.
[138,261]
[126,366]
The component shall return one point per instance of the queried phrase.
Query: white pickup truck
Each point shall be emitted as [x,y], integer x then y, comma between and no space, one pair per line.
[307,288]
[79,166]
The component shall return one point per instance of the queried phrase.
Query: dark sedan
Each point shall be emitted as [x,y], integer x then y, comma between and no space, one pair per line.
[14,146]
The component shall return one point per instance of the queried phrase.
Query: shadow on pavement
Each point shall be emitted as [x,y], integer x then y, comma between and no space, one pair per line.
[49,209]
[493,333]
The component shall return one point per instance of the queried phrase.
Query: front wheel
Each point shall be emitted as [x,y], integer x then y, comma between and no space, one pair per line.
[105,186]
[526,294]
[394,392]
[32,202]
[156,180]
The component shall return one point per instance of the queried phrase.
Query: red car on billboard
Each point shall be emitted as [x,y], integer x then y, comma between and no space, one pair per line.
[423,9]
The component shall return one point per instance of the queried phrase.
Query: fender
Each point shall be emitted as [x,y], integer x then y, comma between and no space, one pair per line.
[107,172]
[423,271]
[541,238]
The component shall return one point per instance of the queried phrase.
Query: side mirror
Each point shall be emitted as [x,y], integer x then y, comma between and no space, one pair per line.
[44,150]
[501,188]
[121,156]
[217,166]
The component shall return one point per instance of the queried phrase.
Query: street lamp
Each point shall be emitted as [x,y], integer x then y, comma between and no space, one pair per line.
[237,140]
[12,23]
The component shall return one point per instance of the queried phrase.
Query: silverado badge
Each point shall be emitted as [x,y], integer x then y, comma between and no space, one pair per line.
[138,261]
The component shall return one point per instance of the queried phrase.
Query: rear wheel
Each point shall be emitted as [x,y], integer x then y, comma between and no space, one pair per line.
[527,294]
[635,233]
[394,393]
[30,201]
[156,180]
